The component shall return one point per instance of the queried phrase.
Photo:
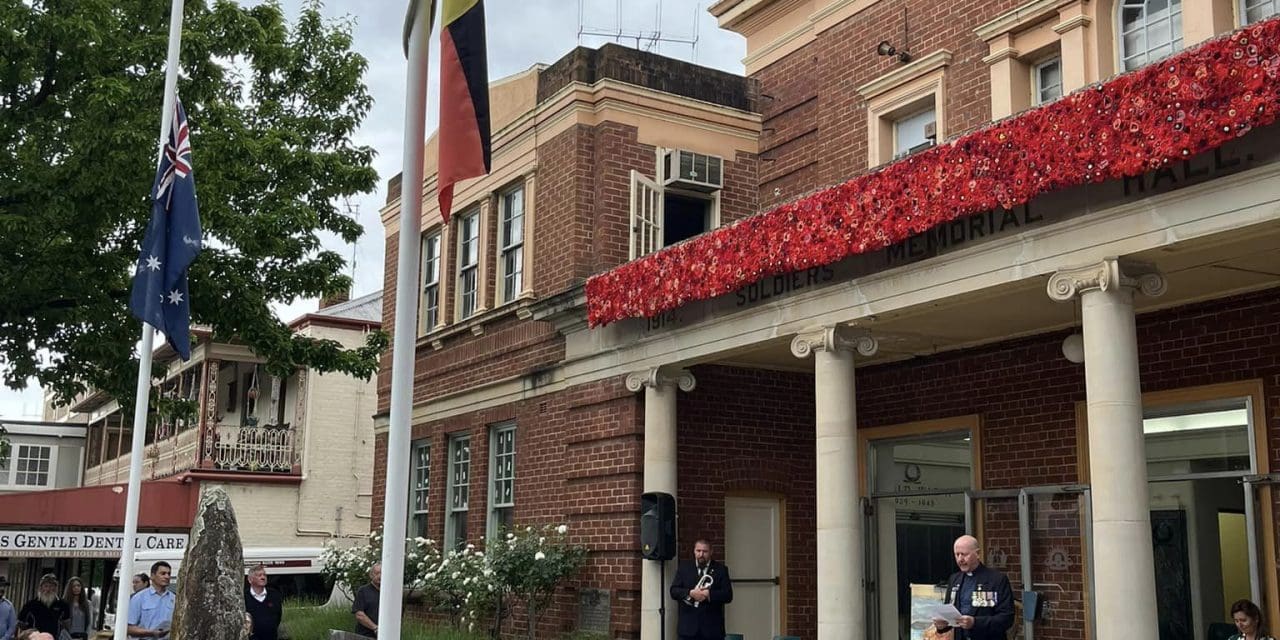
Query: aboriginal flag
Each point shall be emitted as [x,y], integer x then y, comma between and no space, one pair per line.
[464,98]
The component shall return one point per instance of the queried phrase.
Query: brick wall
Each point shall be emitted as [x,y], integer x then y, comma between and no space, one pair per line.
[815,120]
[766,444]
[579,462]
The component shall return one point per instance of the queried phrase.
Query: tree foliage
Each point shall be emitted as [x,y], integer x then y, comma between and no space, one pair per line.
[272,109]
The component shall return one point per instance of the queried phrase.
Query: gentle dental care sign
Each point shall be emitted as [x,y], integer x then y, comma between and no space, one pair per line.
[82,544]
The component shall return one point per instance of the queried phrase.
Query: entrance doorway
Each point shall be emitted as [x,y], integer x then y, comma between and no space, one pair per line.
[1203,529]
[917,486]
[753,551]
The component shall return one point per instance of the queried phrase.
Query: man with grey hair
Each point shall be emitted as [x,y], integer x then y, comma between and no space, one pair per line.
[980,593]
[365,606]
[45,611]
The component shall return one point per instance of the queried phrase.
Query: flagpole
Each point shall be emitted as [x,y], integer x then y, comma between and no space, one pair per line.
[390,604]
[142,396]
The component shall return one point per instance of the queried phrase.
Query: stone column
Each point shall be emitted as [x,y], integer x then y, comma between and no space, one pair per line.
[1124,569]
[659,475]
[841,603]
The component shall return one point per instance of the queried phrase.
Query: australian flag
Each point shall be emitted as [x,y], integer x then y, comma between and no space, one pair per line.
[160,297]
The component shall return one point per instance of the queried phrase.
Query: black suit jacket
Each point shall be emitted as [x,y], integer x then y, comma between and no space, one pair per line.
[990,622]
[707,619]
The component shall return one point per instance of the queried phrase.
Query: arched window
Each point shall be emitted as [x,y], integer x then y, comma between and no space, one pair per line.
[1149,30]
[1252,11]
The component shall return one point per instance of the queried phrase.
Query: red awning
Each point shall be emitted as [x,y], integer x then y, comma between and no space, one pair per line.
[165,504]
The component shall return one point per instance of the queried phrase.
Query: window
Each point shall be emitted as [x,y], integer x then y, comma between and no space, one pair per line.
[905,107]
[31,466]
[419,488]
[430,281]
[1046,80]
[502,477]
[455,528]
[468,263]
[663,215]
[511,241]
[914,132]
[1149,29]
[1252,11]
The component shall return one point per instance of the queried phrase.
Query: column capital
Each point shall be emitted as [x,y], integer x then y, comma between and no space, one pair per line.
[833,338]
[1111,273]
[654,377]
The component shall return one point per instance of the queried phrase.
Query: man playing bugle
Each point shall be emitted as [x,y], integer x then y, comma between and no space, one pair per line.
[703,588]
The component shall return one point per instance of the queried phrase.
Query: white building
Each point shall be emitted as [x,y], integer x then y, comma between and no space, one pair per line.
[295,453]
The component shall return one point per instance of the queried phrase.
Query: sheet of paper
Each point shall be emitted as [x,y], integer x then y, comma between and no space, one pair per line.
[945,612]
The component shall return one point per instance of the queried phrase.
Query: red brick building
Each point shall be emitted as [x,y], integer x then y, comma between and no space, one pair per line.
[1088,381]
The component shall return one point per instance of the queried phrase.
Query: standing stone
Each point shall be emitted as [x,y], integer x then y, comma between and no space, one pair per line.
[210,603]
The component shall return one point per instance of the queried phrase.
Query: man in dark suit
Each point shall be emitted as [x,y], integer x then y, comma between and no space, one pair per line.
[701,608]
[980,593]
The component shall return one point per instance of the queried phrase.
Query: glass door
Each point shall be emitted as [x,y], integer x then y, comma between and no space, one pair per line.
[918,506]
[1203,524]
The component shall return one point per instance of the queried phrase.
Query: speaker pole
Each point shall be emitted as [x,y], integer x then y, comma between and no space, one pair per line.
[662,602]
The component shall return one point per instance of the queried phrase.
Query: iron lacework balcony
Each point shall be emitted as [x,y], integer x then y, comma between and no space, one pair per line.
[247,423]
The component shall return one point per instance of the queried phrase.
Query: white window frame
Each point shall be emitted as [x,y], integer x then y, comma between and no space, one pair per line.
[514,248]
[1243,8]
[419,485]
[9,473]
[454,487]
[646,215]
[431,280]
[1123,57]
[899,152]
[648,211]
[471,268]
[498,476]
[1037,81]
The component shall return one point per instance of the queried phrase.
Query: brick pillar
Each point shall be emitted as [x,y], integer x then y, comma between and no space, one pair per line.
[659,475]
[1124,566]
[841,600]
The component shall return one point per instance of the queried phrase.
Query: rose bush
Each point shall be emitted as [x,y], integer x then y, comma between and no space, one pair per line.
[468,586]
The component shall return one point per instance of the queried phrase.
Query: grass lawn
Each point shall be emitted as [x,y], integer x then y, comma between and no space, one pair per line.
[306,621]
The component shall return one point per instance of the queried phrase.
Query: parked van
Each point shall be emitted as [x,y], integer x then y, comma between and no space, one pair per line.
[297,572]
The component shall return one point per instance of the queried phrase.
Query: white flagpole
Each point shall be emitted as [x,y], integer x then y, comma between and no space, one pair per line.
[390,604]
[142,398]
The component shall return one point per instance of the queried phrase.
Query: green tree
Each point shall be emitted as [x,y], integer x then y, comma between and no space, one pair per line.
[272,109]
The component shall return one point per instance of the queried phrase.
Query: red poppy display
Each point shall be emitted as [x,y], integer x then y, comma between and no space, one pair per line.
[1131,124]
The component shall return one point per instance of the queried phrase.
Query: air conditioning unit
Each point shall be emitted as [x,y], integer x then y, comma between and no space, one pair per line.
[688,170]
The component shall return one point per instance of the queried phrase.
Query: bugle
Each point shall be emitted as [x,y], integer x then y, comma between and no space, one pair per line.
[704,582]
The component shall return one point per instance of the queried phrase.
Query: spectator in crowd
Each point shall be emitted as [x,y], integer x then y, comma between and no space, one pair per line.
[365,606]
[8,616]
[79,623]
[44,612]
[151,610]
[263,604]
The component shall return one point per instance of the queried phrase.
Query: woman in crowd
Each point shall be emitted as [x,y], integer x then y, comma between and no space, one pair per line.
[79,620]
[1249,623]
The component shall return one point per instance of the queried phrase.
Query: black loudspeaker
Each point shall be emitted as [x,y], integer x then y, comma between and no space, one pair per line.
[657,526]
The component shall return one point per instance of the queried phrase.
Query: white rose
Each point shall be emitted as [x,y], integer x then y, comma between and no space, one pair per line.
[562,529]
[539,556]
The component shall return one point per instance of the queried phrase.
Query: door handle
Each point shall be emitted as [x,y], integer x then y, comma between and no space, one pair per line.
[773,580]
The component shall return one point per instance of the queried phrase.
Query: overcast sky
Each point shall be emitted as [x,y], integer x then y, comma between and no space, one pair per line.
[521,33]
